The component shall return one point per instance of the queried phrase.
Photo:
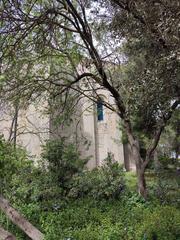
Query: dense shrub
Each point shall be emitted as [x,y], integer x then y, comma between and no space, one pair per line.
[101,183]
[127,218]
[46,184]
[166,188]
[33,186]
[167,162]
[162,224]
[62,160]
[111,220]
[89,219]
[87,204]
[49,182]
[11,161]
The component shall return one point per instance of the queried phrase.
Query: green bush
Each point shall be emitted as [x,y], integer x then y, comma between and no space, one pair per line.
[161,224]
[111,220]
[50,181]
[89,219]
[96,206]
[166,162]
[63,161]
[11,161]
[101,183]
[166,188]
[32,186]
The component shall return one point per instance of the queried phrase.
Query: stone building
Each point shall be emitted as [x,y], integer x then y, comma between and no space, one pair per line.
[94,129]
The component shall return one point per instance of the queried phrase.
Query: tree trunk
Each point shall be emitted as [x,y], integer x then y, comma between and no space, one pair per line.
[140,170]
[140,167]
[20,221]
[5,235]
[142,183]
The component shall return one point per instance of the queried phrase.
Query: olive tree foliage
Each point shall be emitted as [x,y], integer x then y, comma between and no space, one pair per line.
[150,76]
[149,85]
[169,144]
[63,44]
[158,19]
[151,29]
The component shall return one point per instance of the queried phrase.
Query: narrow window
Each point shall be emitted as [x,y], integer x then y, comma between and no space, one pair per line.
[100,113]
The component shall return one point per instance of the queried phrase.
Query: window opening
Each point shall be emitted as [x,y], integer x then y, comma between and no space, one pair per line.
[100,110]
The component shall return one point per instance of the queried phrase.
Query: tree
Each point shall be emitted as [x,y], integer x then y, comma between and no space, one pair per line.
[62,30]
[155,19]
[169,143]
